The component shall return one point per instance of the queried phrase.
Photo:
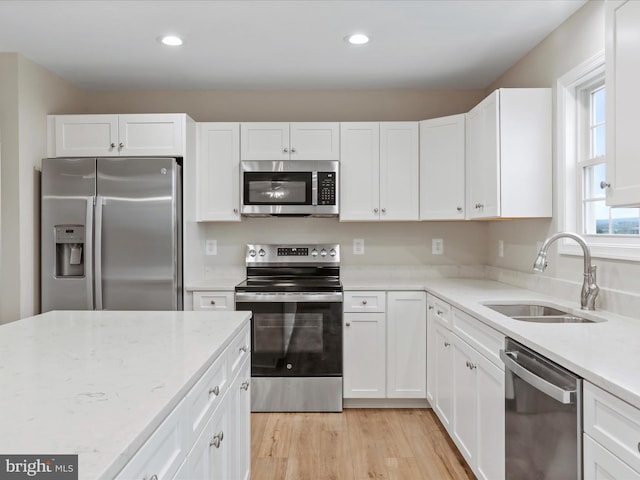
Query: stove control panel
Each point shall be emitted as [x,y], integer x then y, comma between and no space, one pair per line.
[321,254]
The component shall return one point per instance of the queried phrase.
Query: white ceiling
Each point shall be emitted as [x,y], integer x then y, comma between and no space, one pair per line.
[284,44]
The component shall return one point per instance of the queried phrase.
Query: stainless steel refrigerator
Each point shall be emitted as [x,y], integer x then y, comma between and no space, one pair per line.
[111,234]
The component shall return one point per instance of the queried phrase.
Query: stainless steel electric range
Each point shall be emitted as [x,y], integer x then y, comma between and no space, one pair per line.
[295,294]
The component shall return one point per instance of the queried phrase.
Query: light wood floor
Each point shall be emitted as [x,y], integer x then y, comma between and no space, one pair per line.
[358,444]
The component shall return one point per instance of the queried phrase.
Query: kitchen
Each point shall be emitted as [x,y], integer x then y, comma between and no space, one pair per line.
[30,92]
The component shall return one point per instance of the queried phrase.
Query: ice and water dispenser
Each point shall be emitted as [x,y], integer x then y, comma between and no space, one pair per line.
[69,250]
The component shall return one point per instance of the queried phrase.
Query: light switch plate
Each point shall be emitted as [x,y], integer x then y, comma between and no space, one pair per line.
[211,247]
[358,246]
[437,246]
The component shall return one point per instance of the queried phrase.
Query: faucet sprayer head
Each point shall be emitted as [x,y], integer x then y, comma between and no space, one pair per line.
[541,262]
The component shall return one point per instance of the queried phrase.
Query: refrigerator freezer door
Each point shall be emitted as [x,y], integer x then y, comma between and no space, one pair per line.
[138,204]
[66,234]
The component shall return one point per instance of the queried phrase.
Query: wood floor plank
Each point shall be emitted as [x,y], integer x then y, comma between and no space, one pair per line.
[358,444]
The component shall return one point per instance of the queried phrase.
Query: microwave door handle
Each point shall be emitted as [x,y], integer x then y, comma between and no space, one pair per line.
[314,188]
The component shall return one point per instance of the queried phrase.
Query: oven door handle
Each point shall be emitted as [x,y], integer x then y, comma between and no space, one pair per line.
[289,297]
[566,397]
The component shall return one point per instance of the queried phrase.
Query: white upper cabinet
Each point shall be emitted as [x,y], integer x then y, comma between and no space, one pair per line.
[379,171]
[218,172]
[290,141]
[119,135]
[509,155]
[442,168]
[623,102]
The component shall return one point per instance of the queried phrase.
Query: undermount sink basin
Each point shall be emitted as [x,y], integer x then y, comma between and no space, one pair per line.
[537,313]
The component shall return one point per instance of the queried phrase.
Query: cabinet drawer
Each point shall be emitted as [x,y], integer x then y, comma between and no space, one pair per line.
[163,452]
[613,423]
[239,349]
[205,395]
[441,310]
[364,302]
[213,301]
[479,335]
[601,464]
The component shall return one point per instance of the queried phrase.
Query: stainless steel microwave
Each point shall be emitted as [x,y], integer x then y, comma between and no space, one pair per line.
[290,187]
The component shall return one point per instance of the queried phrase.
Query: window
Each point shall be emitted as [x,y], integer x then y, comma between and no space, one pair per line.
[611,232]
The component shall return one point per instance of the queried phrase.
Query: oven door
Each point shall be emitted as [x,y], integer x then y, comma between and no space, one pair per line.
[294,334]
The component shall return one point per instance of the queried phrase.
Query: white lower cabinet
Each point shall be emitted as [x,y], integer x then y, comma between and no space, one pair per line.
[467,390]
[611,436]
[384,345]
[207,300]
[207,436]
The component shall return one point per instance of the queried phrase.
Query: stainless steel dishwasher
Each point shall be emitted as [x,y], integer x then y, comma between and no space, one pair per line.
[543,417]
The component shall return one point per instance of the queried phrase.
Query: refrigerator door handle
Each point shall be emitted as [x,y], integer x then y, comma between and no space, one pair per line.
[98,252]
[88,254]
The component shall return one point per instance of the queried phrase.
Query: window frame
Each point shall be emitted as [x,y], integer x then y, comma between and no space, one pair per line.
[570,181]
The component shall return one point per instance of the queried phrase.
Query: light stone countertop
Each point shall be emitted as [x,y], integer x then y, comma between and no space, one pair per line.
[99,383]
[606,353]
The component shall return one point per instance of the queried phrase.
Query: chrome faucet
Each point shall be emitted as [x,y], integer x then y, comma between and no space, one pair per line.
[589,287]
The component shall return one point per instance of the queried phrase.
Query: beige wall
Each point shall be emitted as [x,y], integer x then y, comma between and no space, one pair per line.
[28,93]
[578,39]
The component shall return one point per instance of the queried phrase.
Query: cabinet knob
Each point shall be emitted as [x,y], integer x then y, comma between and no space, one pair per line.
[468,364]
[121,145]
[245,385]
[215,390]
[446,344]
[384,210]
[472,366]
[286,150]
[348,324]
[459,209]
[213,302]
[216,440]
[113,145]
[364,302]
[375,210]
[293,150]
[439,312]
[604,185]
[243,349]
[430,307]
[235,210]
[639,446]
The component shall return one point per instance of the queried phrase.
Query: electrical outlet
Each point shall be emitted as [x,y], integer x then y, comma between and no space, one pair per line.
[501,248]
[211,247]
[437,246]
[358,246]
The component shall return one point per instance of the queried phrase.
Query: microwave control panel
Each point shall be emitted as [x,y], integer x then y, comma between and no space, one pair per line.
[326,188]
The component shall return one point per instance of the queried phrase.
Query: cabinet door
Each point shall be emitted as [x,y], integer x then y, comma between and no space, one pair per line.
[315,141]
[151,134]
[86,135]
[442,173]
[359,171]
[443,382]
[399,166]
[406,345]
[601,464]
[264,141]
[218,172]
[364,355]
[240,425]
[464,400]
[489,455]
[483,161]
[623,102]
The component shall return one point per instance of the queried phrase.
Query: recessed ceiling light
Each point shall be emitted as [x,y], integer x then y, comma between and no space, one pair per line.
[357,39]
[171,40]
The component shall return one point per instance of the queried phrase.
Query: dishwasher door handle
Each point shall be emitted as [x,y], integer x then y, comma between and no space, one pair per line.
[563,396]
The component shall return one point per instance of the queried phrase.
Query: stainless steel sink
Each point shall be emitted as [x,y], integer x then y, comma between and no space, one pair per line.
[537,313]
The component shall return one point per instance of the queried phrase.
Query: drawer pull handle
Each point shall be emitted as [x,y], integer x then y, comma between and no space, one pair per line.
[213,302]
[430,307]
[215,390]
[439,312]
[216,440]
[348,324]
[245,385]
[243,349]
[364,302]
[446,344]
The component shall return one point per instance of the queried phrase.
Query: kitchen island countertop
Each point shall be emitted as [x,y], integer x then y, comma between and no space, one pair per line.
[97,384]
